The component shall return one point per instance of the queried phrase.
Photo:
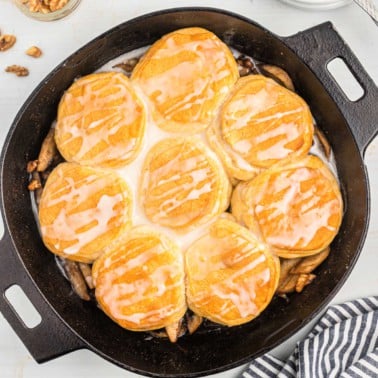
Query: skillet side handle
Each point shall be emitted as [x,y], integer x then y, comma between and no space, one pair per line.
[318,46]
[51,338]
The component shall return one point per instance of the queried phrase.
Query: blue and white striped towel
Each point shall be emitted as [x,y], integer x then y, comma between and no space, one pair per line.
[343,344]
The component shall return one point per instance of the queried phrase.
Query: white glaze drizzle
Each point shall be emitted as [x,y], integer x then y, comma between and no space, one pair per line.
[119,295]
[88,125]
[253,108]
[68,225]
[291,231]
[199,176]
[131,173]
[196,77]
[236,293]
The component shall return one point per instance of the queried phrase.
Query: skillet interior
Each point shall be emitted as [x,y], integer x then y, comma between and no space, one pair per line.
[208,350]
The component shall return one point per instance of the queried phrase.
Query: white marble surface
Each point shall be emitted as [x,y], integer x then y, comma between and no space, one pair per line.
[61,38]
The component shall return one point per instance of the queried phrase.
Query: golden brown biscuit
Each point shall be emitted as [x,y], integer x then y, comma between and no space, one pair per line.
[259,124]
[294,207]
[231,276]
[140,281]
[101,121]
[183,184]
[186,75]
[82,210]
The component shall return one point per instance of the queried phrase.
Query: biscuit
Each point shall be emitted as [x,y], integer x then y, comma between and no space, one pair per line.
[139,281]
[186,75]
[231,276]
[101,121]
[296,207]
[183,184]
[83,209]
[260,124]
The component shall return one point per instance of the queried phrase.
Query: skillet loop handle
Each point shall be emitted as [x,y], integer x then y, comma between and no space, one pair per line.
[49,339]
[317,47]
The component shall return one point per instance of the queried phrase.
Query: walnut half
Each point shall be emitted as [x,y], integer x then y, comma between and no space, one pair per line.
[18,70]
[7,41]
[34,52]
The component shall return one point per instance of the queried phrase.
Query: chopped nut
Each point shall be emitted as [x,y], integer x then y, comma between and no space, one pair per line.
[303,280]
[55,5]
[31,166]
[37,178]
[295,273]
[244,71]
[246,66]
[34,51]
[44,9]
[35,5]
[295,282]
[18,70]
[45,6]
[244,61]
[7,41]
[34,184]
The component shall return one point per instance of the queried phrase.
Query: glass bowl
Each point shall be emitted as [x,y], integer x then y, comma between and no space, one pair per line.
[45,14]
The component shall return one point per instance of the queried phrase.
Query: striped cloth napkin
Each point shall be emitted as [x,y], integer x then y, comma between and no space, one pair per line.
[343,344]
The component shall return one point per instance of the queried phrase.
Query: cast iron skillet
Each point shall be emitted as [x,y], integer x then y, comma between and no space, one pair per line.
[69,323]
